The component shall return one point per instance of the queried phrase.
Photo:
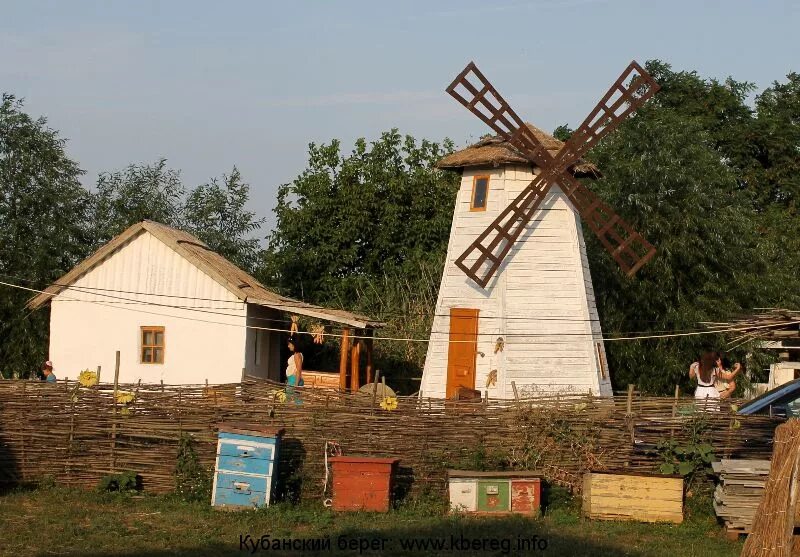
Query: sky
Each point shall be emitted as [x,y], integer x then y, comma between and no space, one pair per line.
[210,85]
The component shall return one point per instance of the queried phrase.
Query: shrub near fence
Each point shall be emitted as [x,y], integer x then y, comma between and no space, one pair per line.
[77,435]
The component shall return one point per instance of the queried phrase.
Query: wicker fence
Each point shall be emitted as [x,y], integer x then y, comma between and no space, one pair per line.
[77,435]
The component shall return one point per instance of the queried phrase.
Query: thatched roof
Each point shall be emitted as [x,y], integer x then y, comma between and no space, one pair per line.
[238,282]
[494,151]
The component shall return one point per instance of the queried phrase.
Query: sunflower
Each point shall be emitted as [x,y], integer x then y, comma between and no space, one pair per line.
[389,403]
[87,378]
[123,397]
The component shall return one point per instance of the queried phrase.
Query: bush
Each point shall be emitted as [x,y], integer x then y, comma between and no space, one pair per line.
[124,482]
[192,481]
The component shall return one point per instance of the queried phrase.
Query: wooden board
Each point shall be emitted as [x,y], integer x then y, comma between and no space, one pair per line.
[629,497]
[321,379]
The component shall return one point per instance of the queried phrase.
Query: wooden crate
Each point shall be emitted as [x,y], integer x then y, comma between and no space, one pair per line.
[645,498]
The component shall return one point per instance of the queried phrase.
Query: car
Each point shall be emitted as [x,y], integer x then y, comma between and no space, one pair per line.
[781,402]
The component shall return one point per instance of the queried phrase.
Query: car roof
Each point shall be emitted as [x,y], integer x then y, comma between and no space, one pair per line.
[770,396]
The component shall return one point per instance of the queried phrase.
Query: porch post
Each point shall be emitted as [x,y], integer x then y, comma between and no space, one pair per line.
[355,366]
[345,349]
[368,346]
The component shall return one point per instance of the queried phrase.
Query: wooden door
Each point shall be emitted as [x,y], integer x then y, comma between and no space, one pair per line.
[462,350]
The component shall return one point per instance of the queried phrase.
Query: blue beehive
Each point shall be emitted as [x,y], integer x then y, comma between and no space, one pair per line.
[247,457]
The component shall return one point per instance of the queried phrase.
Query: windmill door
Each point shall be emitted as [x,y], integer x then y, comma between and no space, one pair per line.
[462,350]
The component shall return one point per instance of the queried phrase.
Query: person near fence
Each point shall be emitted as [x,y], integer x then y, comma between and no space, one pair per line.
[47,370]
[294,370]
[726,387]
[707,374]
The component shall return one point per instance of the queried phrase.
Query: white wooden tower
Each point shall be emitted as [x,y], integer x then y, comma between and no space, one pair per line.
[516,307]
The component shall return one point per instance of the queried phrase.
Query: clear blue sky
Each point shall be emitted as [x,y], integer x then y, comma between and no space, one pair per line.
[213,84]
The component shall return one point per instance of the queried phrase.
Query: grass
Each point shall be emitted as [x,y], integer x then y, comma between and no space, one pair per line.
[59,521]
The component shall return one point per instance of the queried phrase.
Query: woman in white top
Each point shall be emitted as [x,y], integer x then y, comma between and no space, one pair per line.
[294,367]
[707,374]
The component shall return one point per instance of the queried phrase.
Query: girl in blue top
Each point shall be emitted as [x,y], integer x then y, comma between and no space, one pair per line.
[47,370]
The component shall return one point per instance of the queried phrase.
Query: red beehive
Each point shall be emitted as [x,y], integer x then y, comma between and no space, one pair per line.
[362,483]
[526,495]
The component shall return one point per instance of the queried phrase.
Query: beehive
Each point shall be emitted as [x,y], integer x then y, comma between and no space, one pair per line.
[245,466]
[362,483]
[494,492]
[645,498]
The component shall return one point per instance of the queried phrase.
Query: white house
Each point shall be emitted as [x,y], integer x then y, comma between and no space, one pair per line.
[535,325]
[175,310]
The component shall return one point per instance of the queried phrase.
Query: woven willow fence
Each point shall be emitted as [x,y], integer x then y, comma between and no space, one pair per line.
[77,435]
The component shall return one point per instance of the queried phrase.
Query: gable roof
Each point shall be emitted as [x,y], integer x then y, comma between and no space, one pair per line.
[239,283]
[494,151]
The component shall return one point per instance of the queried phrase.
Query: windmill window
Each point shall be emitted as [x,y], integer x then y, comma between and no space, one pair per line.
[153,345]
[480,193]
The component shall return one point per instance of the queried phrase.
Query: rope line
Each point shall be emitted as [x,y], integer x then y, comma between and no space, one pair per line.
[409,339]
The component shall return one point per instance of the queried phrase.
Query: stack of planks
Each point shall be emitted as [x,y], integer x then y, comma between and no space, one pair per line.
[740,489]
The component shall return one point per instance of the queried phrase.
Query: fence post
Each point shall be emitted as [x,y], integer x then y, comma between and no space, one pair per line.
[180,415]
[114,418]
[24,460]
[71,435]
[375,387]
[629,412]
[98,375]
[674,410]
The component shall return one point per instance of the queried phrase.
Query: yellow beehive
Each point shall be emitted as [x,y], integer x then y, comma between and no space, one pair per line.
[633,497]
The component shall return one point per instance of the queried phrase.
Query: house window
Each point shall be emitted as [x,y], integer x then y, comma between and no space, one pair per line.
[152,345]
[480,191]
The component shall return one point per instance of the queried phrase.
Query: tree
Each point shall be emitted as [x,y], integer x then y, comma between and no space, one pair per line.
[382,210]
[215,212]
[368,232]
[675,172]
[45,230]
[563,132]
[776,153]
[140,192]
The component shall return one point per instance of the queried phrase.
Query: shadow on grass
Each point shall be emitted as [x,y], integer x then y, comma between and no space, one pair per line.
[453,535]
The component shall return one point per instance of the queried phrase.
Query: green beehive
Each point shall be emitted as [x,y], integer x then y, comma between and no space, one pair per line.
[494,496]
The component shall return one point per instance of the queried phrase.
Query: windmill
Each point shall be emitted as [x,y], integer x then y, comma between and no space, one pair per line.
[513,231]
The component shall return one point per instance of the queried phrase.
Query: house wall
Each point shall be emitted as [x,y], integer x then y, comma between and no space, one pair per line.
[146,283]
[541,301]
[262,348]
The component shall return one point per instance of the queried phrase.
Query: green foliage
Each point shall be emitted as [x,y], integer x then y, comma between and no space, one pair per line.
[692,454]
[215,212]
[368,231]
[380,210]
[192,480]
[563,132]
[139,192]
[124,482]
[674,172]
[43,229]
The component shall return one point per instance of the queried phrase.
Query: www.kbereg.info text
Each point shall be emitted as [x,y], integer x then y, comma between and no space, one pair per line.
[454,543]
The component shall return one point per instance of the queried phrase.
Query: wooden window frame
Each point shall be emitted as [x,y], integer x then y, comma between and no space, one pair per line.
[153,329]
[475,179]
